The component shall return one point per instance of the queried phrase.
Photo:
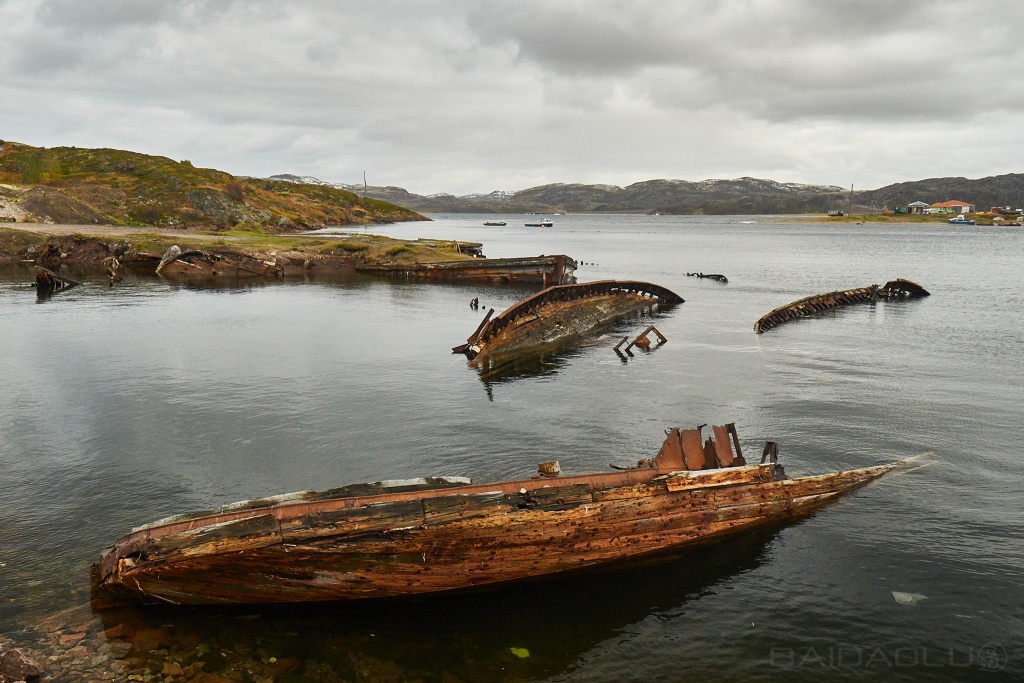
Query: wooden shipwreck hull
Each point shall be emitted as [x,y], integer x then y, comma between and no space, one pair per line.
[544,270]
[894,290]
[422,536]
[558,314]
[207,264]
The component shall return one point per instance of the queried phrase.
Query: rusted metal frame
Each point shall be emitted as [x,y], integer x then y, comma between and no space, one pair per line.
[49,281]
[642,341]
[571,293]
[816,303]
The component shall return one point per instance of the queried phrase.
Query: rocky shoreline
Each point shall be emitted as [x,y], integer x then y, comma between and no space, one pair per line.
[57,246]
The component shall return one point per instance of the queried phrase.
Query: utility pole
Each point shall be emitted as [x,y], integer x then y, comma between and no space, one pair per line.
[364,184]
[849,209]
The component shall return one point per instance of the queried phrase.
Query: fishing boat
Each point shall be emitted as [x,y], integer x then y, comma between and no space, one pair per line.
[546,223]
[962,220]
[494,224]
[410,537]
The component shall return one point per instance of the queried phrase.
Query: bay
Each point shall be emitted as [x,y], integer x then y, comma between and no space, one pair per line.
[122,405]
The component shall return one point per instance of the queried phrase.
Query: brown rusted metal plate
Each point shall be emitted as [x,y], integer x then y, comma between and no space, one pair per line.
[693,452]
[670,457]
[710,458]
[723,447]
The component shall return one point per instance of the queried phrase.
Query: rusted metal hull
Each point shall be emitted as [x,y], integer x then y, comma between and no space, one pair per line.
[543,270]
[206,264]
[893,290]
[316,548]
[559,314]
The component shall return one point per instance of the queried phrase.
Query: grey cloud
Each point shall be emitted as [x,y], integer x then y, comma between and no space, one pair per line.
[81,16]
[454,96]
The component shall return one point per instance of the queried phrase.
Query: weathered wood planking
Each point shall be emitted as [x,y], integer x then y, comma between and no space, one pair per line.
[451,540]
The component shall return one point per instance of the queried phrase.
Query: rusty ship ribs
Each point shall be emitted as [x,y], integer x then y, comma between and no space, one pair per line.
[202,264]
[423,536]
[893,290]
[544,270]
[559,313]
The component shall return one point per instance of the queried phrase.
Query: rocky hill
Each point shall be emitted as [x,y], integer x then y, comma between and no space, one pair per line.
[1000,190]
[116,187]
[737,196]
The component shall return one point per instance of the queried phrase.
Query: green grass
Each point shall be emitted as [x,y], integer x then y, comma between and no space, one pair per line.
[129,188]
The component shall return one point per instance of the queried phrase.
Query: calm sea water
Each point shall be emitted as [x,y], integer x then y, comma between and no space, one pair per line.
[126,404]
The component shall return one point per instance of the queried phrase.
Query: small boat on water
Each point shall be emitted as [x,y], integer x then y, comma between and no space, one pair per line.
[546,223]
[409,537]
[962,220]
[494,224]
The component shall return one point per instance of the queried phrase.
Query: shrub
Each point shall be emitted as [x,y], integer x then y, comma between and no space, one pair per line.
[149,213]
[352,246]
[234,191]
[40,168]
[397,249]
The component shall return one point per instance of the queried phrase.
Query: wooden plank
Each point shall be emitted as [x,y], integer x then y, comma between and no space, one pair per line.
[448,509]
[670,457]
[721,477]
[693,452]
[238,534]
[554,497]
[345,522]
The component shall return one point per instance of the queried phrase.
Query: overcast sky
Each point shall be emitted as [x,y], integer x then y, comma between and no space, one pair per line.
[448,96]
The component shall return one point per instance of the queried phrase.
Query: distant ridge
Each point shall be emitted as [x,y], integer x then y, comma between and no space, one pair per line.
[713,196]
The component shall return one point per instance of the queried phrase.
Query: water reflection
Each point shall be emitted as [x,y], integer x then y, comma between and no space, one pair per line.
[466,635]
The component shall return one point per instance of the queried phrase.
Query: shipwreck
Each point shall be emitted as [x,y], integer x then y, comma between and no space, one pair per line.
[559,314]
[894,290]
[408,537]
[423,536]
[203,264]
[544,270]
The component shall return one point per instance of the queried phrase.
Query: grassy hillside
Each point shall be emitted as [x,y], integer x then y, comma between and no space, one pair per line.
[116,187]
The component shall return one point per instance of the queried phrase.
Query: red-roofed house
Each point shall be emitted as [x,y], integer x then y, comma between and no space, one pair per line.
[952,206]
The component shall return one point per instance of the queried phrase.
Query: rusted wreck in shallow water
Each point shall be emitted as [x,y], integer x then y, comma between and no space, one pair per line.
[717,277]
[398,538]
[48,282]
[544,270]
[894,290]
[205,264]
[557,314]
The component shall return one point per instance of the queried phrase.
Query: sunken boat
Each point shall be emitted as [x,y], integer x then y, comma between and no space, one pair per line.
[410,537]
[206,264]
[544,270]
[893,290]
[559,314]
